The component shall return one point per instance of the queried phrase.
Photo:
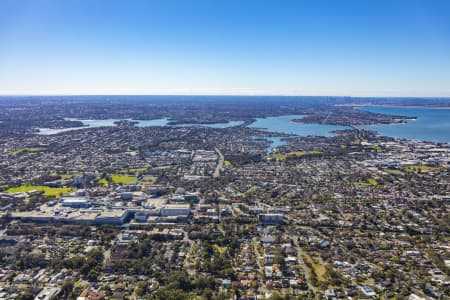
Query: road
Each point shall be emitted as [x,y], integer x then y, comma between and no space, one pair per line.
[188,265]
[303,266]
[254,244]
[106,257]
[219,164]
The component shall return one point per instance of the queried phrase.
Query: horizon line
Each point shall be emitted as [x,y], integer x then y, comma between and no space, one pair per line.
[218,95]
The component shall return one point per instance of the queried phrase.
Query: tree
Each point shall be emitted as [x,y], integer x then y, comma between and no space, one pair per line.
[27,295]
[168,293]
[66,289]
[141,288]
[92,276]
[276,296]
[95,254]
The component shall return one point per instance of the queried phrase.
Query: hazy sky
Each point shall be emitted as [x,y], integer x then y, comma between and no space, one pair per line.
[315,47]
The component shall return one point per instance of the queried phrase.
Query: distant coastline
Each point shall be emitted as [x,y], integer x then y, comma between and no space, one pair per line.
[396,106]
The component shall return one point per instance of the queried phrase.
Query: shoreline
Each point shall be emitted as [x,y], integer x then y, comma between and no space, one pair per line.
[397,106]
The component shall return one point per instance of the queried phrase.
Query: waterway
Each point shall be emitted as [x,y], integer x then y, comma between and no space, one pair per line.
[214,125]
[139,123]
[430,124]
[284,124]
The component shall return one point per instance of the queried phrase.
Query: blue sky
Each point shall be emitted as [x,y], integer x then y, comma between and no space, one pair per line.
[314,47]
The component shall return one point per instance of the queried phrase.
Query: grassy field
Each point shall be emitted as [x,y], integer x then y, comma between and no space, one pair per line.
[394,172]
[227,163]
[119,179]
[133,170]
[369,182]
[319,269]
[48,191]
[29,150]
[279,156]
[65,176]
[372,182]
[420,168]
[150,178]
[302,153]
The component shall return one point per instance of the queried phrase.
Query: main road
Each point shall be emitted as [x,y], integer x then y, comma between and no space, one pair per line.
[219,164]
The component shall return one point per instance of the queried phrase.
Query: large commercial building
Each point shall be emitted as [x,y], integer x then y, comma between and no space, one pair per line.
[75,202]
[175,210]
[114,216]
[271,218]
[59,213]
